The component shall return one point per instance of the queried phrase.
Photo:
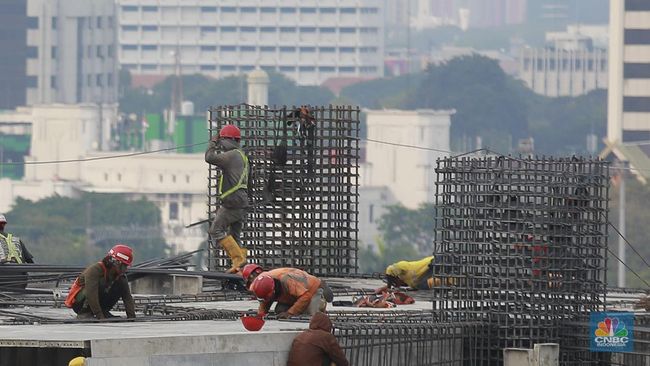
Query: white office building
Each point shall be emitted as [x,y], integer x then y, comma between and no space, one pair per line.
[629,72]
[71,52]
[309,41]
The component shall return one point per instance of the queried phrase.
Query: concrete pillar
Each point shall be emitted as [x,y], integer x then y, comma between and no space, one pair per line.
[258,88]
[543,354]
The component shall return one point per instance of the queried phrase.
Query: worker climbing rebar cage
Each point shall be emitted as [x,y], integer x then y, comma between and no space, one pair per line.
[302,187]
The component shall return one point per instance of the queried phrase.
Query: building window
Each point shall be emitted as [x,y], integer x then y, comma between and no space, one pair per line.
[129,28]
[160,178]
[54,22]
[100,53]
[248,29]
[109,21]
[228,29]
[99,80]
[150,28]
[637,5]
[248,10]
[129,47]
[369,10]
[368,69]
[32,52]
[307,49]
[371,216]
[32,22]
[208,67]
[247,48]
[287,49]
[347,69]
[247,68]
[208,9]
[308,10]
[636,104]
[636,70]
[327,69]
[208,29]
[173,178]
[346,49]
[285,10]
[208,48]
[89,80]
[149,67]
[268,29]
[267,49]
[268,68]
[109,79]
[99,22]
[149,8]
[306,69]
[89,51]
[348,10]
[637,36]
[173,210]
[368,49]
[327,10]
[53,50]
[187,178]
[119,177]
[267,10]
[149,47]
[328,30]
[228,48]
[106,177]
[129,8]
[228,9]
[53,82]
[307,29]
[348,30]
[326,49]
[109,51]
[371,30]
[32,81]
[287,29]
[227,68]
[287,69]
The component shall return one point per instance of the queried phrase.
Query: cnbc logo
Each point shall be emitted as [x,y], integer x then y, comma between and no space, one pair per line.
[612,332]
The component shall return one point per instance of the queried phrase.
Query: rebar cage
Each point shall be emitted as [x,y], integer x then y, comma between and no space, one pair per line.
[304,209]
[520,244]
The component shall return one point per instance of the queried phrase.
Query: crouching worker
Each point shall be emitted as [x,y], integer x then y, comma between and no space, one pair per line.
[295,291]
[317,346]
[98,288]
[417,275]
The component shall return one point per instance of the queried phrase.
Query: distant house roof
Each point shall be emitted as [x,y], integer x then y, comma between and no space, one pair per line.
[636,154]
[335,85]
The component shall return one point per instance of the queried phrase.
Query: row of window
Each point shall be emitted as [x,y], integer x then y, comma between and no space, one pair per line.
[91,80]
[245,68]
[98,22]
[248,29]
[262,10]
[90,51]
[565,64]
[272,49]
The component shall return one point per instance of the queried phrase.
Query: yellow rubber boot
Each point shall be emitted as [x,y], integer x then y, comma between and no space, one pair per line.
[237,255]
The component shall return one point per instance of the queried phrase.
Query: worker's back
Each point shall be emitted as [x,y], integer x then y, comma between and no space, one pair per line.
[316,346]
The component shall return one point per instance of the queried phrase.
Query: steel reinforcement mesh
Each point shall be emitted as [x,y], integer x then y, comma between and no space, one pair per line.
[304,210]
[520,245]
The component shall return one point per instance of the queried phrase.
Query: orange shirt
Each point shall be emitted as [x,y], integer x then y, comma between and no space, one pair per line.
[298,287]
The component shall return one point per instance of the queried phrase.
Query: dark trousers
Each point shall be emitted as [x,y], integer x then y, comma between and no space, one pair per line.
[106,300]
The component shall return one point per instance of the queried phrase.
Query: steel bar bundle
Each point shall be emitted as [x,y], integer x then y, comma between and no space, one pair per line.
[304,208]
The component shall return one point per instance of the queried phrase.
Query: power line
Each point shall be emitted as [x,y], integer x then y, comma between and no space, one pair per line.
[102,157]
[628,243]
[628,267]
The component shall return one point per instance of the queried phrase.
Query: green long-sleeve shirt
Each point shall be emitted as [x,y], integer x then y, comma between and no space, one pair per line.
[93,280]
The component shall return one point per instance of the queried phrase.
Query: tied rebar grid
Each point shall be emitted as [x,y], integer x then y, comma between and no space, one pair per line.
[520,245]
[304,211]
[403,338]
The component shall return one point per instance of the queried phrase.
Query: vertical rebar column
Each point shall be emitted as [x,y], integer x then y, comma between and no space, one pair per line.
[304,210]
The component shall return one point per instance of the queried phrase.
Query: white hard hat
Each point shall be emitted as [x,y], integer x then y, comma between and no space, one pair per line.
[3,218]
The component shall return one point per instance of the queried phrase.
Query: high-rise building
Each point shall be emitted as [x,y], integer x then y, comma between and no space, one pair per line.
[71,54]
[629,72]
[13,33]
[309,42]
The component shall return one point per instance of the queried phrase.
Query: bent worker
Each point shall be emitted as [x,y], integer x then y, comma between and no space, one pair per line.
[232,189]
[98,288]
[252,270]
[295,291]
[415,274]
[13,250]
[317,345]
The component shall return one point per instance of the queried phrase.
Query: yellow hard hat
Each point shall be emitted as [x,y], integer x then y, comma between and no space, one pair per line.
[77,361]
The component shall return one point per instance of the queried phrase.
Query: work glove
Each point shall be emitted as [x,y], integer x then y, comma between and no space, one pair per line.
[283,315]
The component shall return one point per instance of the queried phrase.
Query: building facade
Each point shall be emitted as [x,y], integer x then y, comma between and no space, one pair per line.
[309,41]
[629,72]
[407,171]
[13,43]
[71,52]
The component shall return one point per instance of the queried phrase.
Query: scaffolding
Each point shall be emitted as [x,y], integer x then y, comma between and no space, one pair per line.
[305,206]
[521,246]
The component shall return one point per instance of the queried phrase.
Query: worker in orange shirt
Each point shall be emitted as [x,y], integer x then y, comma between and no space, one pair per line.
[295,291]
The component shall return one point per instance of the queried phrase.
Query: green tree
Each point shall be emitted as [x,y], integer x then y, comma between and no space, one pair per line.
[403,227]
[62,230]
[376,261]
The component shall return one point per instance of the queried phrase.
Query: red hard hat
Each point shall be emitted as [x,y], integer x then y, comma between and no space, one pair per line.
[263,287]
[248,269]
[230,131]
[122,253]
[252,323]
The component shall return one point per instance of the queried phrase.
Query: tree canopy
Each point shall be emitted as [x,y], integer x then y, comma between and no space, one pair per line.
[62,230]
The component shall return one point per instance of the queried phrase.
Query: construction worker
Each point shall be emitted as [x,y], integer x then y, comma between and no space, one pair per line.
[13,250]
[98,288]
[296,292]
[415,274]
[225,152]
[252,270]
[317,345]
